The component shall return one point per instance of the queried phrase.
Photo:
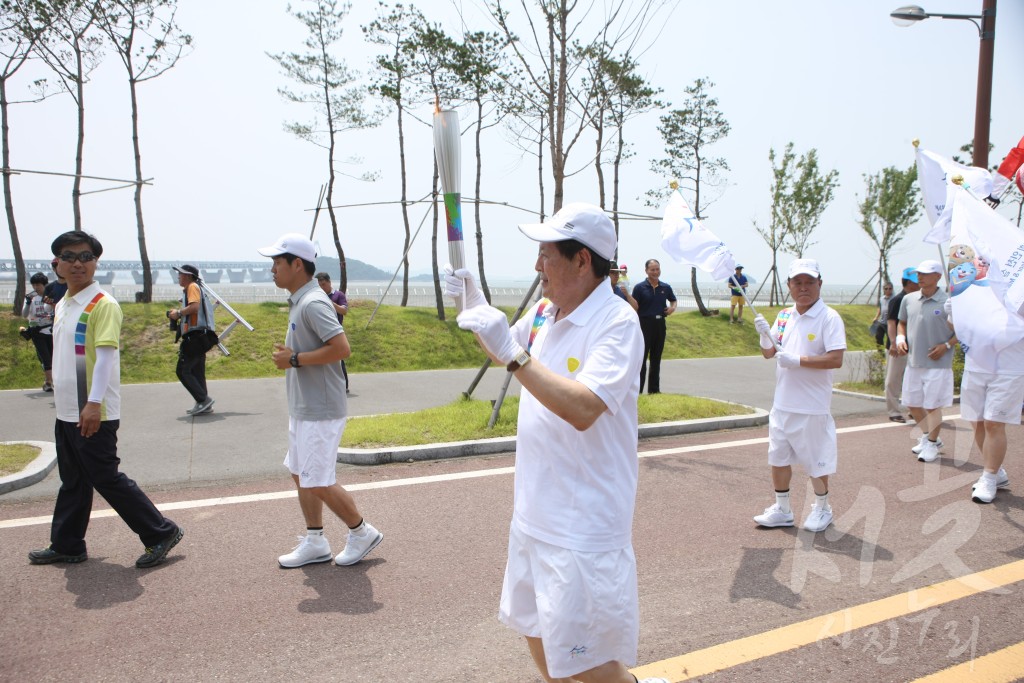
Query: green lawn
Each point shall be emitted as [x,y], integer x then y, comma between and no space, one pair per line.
[14,457]
[398,339]
[464,420]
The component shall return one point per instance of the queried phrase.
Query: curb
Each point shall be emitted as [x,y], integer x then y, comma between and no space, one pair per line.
[36,470]
[506,444]
[873,397]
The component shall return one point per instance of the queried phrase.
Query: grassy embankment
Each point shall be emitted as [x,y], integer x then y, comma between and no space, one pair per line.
[401,339]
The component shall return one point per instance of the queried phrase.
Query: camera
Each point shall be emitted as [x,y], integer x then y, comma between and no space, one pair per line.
[172,324]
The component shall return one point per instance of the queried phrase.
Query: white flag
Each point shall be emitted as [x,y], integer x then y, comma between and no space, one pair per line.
[986,260]
[935,173]
[685,239]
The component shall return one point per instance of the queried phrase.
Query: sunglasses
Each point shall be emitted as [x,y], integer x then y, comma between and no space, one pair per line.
[83,256]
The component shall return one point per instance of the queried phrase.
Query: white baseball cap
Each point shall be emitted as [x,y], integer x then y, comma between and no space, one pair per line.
[804,266]
[585,223]
[929,266]
[291,243]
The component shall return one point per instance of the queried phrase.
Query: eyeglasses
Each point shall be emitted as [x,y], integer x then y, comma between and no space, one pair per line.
[83,256]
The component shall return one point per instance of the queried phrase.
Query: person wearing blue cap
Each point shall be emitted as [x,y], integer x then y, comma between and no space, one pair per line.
[896,364]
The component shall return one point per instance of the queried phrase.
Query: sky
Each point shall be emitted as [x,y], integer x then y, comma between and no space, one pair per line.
[833,75]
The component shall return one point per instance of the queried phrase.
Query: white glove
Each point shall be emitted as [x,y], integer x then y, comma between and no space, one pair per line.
[459,282]
[765,330]
[947,308]
[787,359]
[491,326]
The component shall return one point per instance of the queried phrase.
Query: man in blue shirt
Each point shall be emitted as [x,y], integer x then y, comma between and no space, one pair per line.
[655,300]
[737,288]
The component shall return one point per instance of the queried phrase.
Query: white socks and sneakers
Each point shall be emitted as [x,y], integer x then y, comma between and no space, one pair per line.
[781,514]
[313,547]
[984,490]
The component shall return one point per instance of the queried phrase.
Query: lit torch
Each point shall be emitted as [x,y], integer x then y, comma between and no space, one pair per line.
[448,153]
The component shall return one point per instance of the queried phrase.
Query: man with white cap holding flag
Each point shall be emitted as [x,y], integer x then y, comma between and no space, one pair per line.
[808,341]
[570,583]
[922,334]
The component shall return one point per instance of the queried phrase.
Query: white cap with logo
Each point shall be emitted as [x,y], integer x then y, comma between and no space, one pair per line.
[291,243]
[929,266]
[804,266]
[585,223]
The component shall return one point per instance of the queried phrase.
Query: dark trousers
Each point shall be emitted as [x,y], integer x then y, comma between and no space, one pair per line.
[653,330]
[88,464]
[44,349]
[191,371]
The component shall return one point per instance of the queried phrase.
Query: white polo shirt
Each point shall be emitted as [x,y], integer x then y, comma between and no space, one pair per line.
[577,489]
[82,322]
[816,332]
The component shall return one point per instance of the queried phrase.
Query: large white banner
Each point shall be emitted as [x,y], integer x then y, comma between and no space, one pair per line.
[686,240]
[935,174]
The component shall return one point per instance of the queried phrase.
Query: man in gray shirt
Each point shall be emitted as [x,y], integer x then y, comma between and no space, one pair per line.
[317,409]
[923,335]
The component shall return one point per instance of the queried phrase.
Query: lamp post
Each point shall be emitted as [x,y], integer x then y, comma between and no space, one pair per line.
[986,25]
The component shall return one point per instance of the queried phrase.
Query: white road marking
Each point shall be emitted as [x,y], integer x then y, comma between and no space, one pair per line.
[415,481]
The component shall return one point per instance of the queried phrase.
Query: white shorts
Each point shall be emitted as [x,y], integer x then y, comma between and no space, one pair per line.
[583,606]
[927,388]
[313,450]
[987,396]
[809,440]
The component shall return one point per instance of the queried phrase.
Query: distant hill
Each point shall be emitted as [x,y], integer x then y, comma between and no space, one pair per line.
[357,270]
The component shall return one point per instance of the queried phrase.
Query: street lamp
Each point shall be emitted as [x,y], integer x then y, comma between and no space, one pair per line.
[986,25]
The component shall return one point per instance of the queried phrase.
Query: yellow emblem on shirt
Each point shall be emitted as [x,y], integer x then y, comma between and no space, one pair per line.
[811,337]
[573,364]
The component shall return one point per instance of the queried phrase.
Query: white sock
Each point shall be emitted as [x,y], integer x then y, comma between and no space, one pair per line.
[822,500]
[359,530]
[782,500]
[315,532]
[990,477]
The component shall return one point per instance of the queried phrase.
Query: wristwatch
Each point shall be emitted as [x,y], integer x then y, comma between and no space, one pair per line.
[294,360]
[948,345]
[519,361]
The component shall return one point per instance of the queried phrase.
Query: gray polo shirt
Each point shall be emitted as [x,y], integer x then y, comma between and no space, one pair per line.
[926,327]
[315,392]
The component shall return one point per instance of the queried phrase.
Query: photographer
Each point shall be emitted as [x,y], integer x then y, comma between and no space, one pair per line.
[195,316]
[40,326]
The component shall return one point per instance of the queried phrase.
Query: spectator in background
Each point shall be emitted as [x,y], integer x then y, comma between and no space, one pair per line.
[195,314]
[340,302]
[40,327]
[896,362]
[738,290]
[882,314]
[620,285]
[655,301]
[55,290]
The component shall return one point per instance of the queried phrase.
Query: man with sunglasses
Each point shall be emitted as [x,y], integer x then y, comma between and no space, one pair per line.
[86,380]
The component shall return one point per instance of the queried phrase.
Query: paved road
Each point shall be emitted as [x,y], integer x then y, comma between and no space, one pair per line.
[422,606]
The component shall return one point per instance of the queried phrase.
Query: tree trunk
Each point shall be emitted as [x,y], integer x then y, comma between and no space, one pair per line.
[19,261]
[76,193]
[147,271]
[405,208]
[342,266]
[776,293]
[476,203]
[615,187]
[696,293]
[598,142]
[438,296]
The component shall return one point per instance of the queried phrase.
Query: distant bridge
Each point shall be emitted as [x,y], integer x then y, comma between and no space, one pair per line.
[212,271]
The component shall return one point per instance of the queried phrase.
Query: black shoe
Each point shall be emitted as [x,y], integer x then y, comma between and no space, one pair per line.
[204,407]
[48,555]
[155,554]
[897,418]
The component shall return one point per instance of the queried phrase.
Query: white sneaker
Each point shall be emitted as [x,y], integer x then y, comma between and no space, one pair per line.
[920,444]
[984,491]
[309,550]
[359,545]
[774,516]
[1002,480]
[929,451]
[819,519]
